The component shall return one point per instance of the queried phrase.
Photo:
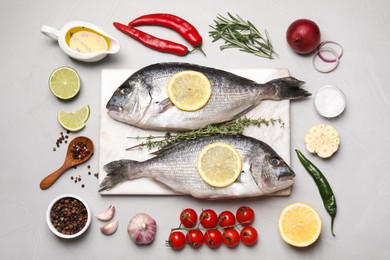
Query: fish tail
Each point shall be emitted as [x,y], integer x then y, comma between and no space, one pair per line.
[119,172]
[288,88]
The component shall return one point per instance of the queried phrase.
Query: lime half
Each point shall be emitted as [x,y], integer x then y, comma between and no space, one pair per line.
[74,121]
[64,82]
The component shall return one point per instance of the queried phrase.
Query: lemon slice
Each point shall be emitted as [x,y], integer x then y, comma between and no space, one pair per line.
[219,164]
[189,90]
[299,225]
[64,82]
[74,121]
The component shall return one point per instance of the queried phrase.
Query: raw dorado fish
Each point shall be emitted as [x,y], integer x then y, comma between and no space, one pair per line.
[263,170]
[142,100]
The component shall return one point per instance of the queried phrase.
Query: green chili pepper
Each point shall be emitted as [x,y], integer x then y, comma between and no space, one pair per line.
[328,198]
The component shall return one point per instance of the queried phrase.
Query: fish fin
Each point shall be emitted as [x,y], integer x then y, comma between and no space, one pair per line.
[239,179]
[119,172]
[288,88]
[164,105]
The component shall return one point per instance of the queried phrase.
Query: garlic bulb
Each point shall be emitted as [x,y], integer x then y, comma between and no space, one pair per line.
[142,229]
[107,214]
[109,228]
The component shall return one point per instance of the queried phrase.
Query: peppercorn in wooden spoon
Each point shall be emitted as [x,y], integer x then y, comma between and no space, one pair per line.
[80,149]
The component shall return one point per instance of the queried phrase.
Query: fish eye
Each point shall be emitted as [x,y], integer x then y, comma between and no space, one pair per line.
[125,91]
[275,161]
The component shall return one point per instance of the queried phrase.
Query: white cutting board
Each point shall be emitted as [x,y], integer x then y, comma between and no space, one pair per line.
[114,135]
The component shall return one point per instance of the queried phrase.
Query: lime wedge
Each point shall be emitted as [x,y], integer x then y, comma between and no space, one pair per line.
[74,121]
[82,113]
[64,82]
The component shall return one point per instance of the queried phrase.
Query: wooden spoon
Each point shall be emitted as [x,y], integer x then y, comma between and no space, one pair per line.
[69,161]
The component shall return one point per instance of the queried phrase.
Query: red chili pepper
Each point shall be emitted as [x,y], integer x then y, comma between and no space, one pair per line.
[184,28]
[151,41]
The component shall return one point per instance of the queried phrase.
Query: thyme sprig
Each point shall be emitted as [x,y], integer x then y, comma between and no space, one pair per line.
[242,34]
[233,127]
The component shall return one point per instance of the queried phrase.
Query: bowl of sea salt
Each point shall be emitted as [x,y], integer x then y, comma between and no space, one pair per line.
[330,101]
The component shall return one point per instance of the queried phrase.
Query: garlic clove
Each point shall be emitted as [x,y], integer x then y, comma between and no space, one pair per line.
[107,214]
[109,228]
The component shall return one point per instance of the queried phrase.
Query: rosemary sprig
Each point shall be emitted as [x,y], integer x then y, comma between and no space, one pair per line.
[234,127]
[241,34]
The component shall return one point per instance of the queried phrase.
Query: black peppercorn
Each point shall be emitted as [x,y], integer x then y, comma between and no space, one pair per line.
[68,216]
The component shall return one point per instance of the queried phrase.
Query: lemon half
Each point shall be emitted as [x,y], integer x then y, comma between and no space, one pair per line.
[189,90]
[219,164]
[64,82]
[299,225]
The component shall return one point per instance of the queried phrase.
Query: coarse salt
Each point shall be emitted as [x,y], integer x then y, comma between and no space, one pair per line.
[329,101]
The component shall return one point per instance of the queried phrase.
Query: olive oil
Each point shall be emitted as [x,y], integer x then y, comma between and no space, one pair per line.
[85,40]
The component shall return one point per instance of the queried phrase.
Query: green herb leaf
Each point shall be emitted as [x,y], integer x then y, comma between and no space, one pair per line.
[241,34]
[234,127]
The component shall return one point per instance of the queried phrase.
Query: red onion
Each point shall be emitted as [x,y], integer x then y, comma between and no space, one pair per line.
[303,36]
[340,54]
[335,63]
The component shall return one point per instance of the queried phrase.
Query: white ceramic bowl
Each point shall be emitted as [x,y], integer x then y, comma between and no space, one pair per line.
[330,101]
[54,230]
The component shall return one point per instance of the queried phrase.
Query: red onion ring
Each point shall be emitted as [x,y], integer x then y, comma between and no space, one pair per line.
[330,42]
[326,49]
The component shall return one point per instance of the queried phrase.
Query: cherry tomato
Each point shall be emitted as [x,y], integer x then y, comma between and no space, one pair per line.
[226,219]
[248,235]
[177,240]
[212,238]
[230,237]
[194,238]
[208,218]
[245,215]
[188,218]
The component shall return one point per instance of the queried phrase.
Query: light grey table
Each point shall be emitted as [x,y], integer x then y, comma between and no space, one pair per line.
[358,172]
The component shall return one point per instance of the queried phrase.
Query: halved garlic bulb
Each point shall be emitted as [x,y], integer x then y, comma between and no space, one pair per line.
[322,140]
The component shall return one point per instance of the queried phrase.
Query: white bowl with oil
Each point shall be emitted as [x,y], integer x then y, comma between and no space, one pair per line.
[83,41]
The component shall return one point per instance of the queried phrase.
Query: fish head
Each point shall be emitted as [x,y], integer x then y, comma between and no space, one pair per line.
[129,102]
[275,175]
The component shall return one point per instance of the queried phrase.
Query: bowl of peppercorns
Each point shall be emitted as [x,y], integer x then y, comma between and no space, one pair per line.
[68,216]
